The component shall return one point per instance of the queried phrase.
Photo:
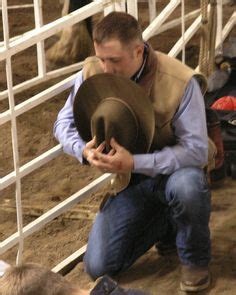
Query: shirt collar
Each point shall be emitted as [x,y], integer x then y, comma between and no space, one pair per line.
[138,74]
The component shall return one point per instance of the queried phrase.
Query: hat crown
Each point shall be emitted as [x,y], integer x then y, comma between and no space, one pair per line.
[134,106]
[111,115]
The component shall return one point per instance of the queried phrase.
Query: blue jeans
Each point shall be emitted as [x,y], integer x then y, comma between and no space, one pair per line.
[146,212]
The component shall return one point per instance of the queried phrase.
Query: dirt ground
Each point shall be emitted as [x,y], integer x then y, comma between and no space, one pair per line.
[63,176]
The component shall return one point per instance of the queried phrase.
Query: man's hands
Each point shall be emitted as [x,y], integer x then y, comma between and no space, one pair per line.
[118,160]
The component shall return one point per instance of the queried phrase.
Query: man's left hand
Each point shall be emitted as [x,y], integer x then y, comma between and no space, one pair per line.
[118,160]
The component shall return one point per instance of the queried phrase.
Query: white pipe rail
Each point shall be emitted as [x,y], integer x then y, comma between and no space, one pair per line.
[176,49]
[219,39]
[37,36]
[13,132]
[227,28]
[183,29]
[132,8]
[152,10]
[50,29]
[40,45]
[44,219]
[69,260]
[31,166]
[37,80]
[176,22]
[158,21]
[38,99]
[187,36]
[120,5]
[23,6]
[11,39]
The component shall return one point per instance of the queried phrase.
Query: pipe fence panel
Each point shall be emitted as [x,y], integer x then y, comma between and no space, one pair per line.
[12,46]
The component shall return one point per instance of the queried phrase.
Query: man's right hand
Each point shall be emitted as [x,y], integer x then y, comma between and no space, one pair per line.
[90,147]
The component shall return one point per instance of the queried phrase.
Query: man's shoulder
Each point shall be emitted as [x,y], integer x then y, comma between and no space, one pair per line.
[92,66]
[91,60]
[171,66]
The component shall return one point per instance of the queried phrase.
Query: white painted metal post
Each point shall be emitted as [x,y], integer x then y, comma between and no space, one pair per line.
[132,8]
[177,22]
[120,5]
[183,29]
[13,132]
[159,20]
[227,28]
[152,10]
[38,16]
[109,7]
[187,36]
[219,39]
[56,211]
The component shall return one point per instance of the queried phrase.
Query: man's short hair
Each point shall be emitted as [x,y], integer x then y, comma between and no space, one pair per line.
[33,279]
[117,25]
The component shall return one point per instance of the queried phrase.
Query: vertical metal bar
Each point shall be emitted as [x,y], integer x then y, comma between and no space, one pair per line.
[152,10]
[183,29]
[132,8]
[38,16]
[120,5]
[219,30]
[159,20]
[13,131]
[108,8]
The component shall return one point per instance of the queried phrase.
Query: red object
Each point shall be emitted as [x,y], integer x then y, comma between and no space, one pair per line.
[225,103]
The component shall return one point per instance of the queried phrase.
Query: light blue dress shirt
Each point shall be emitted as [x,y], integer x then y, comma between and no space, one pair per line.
[189,125]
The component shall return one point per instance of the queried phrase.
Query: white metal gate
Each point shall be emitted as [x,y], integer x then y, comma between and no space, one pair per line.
[10,47]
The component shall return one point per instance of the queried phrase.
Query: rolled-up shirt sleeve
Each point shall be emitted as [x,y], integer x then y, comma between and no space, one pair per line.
[64,128]
[189,126]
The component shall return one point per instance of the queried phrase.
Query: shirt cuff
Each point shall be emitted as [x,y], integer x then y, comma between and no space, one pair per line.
[143,164]
[78,151]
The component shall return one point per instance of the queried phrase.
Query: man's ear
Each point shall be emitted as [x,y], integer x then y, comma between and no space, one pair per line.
[139,50]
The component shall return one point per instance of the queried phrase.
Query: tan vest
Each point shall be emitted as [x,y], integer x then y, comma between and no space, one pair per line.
[166,89]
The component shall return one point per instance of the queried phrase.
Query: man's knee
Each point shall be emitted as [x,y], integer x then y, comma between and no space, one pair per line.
[187,188]
[94,266]
[98,265]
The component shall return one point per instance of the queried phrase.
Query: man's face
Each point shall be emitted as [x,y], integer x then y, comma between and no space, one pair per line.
[119,59]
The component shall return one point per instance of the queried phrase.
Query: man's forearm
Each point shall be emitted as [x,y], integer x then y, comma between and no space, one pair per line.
[169,160]
[64,127]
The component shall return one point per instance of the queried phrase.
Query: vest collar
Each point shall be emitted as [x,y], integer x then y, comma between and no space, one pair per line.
[136,77]
[148,69]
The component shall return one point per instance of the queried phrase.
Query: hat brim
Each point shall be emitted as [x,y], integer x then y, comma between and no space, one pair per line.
[101,86]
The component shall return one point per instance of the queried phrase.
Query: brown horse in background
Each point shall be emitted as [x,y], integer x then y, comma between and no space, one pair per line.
[75,42]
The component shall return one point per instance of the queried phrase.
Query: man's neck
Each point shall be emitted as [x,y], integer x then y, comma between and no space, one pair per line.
[143,60]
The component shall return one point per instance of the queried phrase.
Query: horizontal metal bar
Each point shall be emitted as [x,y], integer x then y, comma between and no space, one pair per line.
[158,21]
[176,22]
[40,79]
[23,6]
[50,29]
[38,99]
[67,264]
[31,166]
[2,43]
[38,223]
[187,36]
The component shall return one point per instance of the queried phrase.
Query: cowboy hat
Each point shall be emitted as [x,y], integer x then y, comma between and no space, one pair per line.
[109,106]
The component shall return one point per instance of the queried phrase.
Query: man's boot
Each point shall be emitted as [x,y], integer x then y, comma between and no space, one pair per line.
[194,278]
